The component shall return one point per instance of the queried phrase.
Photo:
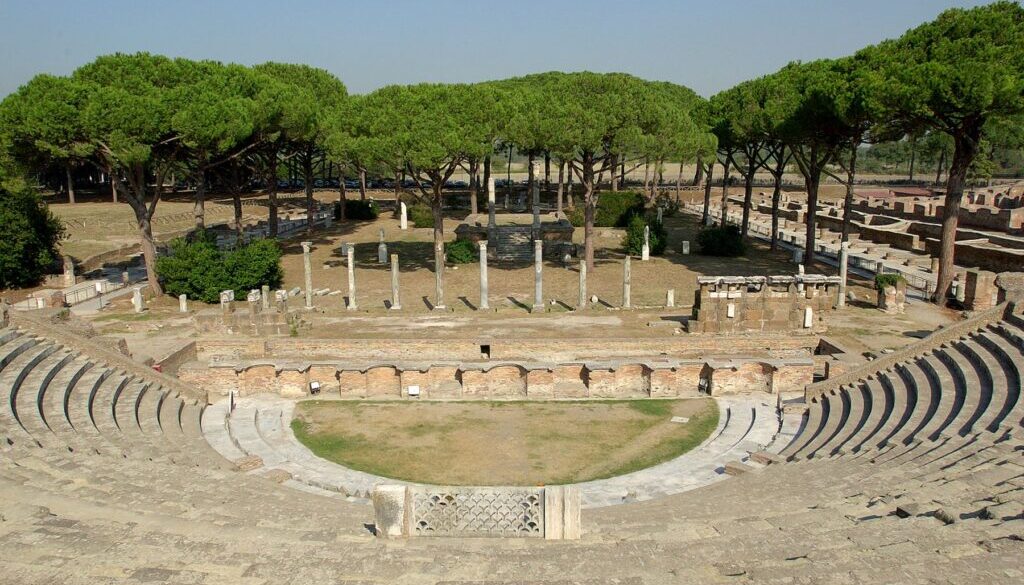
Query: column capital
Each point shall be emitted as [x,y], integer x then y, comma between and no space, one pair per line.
[307,247]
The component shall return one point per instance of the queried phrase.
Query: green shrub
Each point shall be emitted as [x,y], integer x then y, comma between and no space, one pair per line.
[28,248]
[358,210]
[421,216]
[887,279]
[613,209]
[198,269]
[721,241]
[461,251]
[633,241]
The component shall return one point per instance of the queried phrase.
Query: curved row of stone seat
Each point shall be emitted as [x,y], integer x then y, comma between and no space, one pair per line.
[257,429]
[969,385]
[58,398]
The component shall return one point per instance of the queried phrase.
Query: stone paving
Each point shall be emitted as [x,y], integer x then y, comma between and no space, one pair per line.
[260,427]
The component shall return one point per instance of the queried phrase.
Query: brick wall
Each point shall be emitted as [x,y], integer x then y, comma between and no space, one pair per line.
[507,381]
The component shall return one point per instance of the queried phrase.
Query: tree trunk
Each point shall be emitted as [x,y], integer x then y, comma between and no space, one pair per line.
[236,197]
[748,194]
[964,150]
[547,170]
[307,179]
[707,195]
[272,196]
[615,183]
[149,254]
[589,208]
[679,183]
[938,170]
[71,184]
[698,175]
[343,196]
[811,182]
[647,181]
[561,178]
[436,208]
[530,178]
[474,167]
[487,172]
[913,158]
[362,184]
[199,212]
[725,192]
[851,172]
[776,199]
[113,189]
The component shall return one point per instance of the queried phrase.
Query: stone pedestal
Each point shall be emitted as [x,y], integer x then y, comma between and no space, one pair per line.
[403,219]
[685,247]
[265,295]
[670,298]
[980,291]
[183,303]
[382,249]
[137,302]
[69,272]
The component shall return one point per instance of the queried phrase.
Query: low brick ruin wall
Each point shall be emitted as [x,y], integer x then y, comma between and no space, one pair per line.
[656,378]
[744,304]
[213,349]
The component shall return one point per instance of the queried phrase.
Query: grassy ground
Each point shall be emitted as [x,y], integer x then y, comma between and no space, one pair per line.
[502,443]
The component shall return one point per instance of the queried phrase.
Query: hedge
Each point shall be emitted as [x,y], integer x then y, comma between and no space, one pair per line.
[721,241]
[613,209]
[633,241]
[198,269]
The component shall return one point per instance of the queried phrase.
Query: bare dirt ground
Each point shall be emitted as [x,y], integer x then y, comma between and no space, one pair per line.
[502,443]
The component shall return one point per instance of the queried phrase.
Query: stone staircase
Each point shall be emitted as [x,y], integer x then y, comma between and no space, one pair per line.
[513,244]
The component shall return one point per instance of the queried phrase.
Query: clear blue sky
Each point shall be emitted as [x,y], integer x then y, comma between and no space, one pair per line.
[707,45]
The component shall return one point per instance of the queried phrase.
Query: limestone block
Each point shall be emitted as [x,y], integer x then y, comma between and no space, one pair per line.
[390,511]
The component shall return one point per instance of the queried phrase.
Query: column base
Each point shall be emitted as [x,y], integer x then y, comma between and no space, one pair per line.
[537,308]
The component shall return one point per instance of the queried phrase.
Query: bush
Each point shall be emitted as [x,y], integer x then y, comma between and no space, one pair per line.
[633,241]
[198,269]
[721,241]
[358,210]
[421,216]
[613,209]
[28,248]
[884,280]
[461,252]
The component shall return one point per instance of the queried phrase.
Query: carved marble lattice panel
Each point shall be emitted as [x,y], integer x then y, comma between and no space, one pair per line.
[457,511]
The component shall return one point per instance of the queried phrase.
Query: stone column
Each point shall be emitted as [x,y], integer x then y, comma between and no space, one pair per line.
[69,272]
[670,298]
[439,281]
[645,252]
[660,212]
[382,249]
[265,292]
[844,258]
[626,277]
[483,263]
[538,274]
[137,303]
[308,268]
[685,247]
[581,303]
[396,300]
[351,253]
[227,297]
[183,303]
[281,296]
[403,219]
[490,204]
